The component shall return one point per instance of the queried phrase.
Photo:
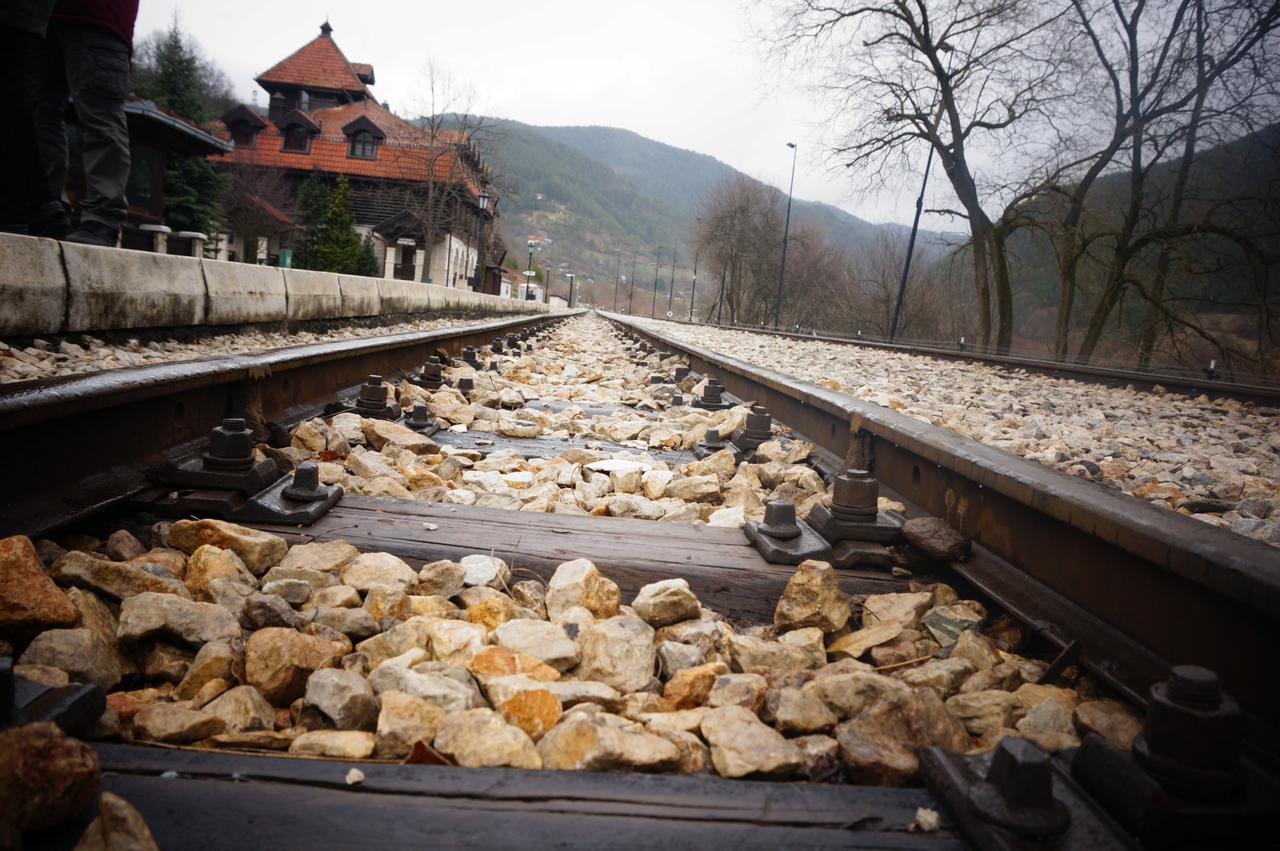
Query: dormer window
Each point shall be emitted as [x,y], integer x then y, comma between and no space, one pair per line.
[243,134]
[363,146]
[363,137]
[243,124]
[297,129]
[296,140]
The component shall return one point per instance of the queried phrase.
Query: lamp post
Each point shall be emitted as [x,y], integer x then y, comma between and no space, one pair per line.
[570,276]
[528,275]
[786,230]
[617,279]
[482,202]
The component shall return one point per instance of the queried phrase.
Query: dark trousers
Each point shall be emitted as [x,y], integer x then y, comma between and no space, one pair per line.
[19,165]
[91,66]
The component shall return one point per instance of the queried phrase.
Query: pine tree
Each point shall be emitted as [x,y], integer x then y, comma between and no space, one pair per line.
[369,266]
[174,79]
[313,201]
[338,247]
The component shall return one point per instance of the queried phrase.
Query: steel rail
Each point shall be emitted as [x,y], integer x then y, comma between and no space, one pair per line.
[1183,591]
[81,443]
[1142,379]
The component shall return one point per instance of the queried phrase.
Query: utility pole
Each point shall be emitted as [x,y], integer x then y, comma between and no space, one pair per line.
[693,291]
[657,279]
[617,279]
[631,296]
[786,230]
[671,293]
[915,228]
[724,270]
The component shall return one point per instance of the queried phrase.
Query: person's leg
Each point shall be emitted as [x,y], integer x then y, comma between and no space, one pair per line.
[97,66]
[18,144]
[47,92]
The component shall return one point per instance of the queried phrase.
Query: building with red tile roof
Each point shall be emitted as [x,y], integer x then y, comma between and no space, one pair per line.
[410,187]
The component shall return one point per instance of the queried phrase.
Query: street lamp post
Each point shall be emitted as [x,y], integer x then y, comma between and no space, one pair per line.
[482,202]
[570,276]
[786,230]
[528,275]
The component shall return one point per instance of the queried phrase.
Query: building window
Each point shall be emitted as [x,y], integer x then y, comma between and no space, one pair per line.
[296,140]
[363,146]
[242,134]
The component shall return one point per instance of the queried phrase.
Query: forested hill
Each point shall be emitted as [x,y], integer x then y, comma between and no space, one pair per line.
[604,188]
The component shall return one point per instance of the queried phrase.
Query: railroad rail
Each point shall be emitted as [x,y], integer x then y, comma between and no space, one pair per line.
[1132,588]
[101,430]
[1109,571]
[1181,381]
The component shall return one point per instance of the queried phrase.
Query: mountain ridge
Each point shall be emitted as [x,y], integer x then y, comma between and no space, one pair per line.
[587,190]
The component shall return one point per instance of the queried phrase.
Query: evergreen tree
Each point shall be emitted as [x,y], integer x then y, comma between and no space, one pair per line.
[174,77]
[313,201]
[369,266]
[338,247]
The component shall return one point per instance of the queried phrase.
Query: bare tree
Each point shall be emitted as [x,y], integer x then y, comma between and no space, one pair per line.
[958,75]
[1173,71]
[259,202]
[444,171]
[739,227]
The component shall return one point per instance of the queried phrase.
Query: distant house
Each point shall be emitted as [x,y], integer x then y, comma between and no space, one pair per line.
[410,188]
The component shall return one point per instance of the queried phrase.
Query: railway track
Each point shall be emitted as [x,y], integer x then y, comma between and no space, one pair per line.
[1210,380]
[1108,589]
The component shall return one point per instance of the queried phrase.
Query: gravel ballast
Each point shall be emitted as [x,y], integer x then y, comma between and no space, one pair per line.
[1217,460]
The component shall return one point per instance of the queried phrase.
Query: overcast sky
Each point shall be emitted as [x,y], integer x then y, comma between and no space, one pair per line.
[684,72]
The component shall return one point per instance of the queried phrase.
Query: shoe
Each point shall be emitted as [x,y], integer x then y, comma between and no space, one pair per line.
[95,233]
[51,220]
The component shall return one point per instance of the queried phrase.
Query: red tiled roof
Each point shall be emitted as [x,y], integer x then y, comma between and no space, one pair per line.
[407,153]
[270,209]
[319,63]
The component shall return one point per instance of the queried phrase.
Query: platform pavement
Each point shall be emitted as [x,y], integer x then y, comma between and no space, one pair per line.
[51,287]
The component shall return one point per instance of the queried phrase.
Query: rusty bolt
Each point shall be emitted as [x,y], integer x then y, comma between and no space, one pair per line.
[855,496]
[420,416]
[1018,791]
[466,385]
[230,446]
[305,486]
[373,394]
[780,520]
[759,423]
[1191,740]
